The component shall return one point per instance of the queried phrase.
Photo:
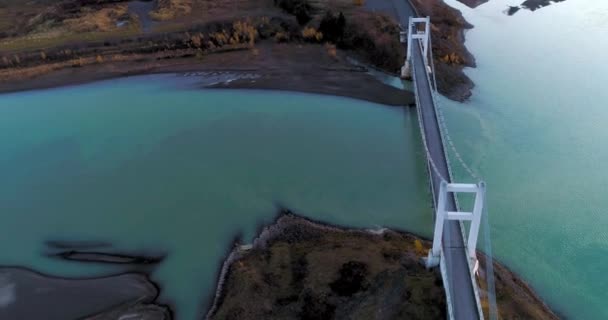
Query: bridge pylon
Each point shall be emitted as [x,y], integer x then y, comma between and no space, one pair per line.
[442,215]
[414,33]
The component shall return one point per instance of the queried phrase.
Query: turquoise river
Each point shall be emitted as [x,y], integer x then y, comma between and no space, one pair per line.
[536,129]
[149,166]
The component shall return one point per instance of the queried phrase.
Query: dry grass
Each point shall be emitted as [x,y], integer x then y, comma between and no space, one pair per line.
[40,42]
[102,20]
[295,275]
[49,27]
[311,34]
[171,9]
[281,37]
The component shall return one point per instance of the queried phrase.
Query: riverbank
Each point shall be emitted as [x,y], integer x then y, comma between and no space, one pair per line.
[54,48]
[298,268]
[275,66]
[450,54]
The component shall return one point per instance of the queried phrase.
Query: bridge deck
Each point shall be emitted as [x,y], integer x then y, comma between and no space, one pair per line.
[461,288]
[462,293]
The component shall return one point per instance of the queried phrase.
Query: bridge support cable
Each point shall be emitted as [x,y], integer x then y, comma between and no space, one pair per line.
[444,177]
[489,268]
[487,244]
[487,241]
[442,123]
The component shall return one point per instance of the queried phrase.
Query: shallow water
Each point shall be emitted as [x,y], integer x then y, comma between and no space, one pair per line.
[536,129]
[148,165]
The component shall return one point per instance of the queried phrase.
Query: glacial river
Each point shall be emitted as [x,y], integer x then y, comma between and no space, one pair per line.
[149,165]
[537,130]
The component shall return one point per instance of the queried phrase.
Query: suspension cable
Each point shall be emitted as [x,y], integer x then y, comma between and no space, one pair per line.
[442,123]
[490,280]
[491,289]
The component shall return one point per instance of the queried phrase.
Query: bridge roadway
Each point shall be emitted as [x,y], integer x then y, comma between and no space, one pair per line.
[460,285]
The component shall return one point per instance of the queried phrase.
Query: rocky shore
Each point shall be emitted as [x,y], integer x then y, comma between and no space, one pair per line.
[298,269]
[295,269]
[301,269]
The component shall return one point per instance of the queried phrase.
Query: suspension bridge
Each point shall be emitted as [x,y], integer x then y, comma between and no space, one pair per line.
[452,251]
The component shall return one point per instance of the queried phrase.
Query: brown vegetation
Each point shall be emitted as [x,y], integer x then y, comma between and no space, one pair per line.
[298,269]
[195,28]
[373,36]
[302,270]
[450,53]
[311,34]
[104,19]
[170,9]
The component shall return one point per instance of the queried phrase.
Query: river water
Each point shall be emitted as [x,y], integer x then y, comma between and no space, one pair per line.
[150,165]
[536,129]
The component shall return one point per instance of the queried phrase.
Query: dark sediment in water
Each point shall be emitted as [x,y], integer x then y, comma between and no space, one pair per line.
[25,294]
[104,257]
[76,245]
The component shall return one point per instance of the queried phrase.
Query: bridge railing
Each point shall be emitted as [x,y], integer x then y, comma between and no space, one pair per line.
[446,142]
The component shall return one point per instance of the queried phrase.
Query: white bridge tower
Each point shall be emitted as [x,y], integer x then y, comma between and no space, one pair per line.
[413,33]
[442,215]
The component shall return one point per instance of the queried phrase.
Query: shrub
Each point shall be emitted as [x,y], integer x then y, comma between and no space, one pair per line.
[281,36]
[169,9]
[311,34]
[376,37]
[418,248]
[197,40]
[77,63]
[332,26]
[299,8]
[331,50]
[220,38]
[244,31]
